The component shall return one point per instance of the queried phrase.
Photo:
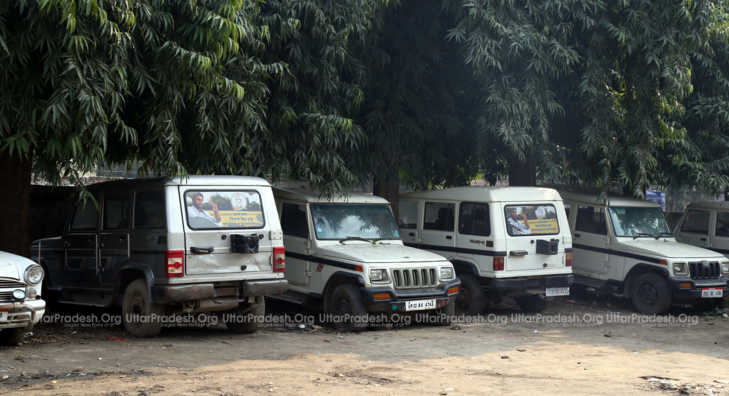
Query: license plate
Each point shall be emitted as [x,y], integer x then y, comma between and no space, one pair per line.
[419,305]
[557,291]
[3,316]
[712,292]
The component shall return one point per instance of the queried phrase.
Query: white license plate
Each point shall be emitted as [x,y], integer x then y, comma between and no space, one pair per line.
[3,316]
[557,291]
[419,305]
[709,292]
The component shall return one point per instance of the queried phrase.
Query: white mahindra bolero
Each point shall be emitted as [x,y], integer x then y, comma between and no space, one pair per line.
[503,241]
[345,255]
[624,246]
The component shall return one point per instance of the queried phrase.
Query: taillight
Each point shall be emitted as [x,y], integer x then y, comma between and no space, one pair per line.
[175,263]
[279,259]
[498,263]
[568,259]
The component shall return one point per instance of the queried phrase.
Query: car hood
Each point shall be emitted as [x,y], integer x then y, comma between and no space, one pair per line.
[11,264]
[378,253]
[667,248]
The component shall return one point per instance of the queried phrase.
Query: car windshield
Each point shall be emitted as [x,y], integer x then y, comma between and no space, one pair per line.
[636,221]
[342,221]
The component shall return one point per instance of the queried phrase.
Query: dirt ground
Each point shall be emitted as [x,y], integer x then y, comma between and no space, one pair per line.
[574,347]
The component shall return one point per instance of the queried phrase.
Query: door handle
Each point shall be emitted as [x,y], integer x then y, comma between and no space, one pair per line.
[199,250]
[449,237]
[518,253]
[702,239]
[577,235]
[412,234]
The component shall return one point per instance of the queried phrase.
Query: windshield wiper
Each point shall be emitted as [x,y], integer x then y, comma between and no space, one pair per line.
[355,238]
[664,233]
[642,234]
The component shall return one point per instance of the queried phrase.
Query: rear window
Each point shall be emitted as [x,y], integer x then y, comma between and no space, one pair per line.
[209,210]
[531,220]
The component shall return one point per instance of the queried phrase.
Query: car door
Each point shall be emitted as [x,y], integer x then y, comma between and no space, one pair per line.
[295,225]
[114,249]
[720,237]
[81,244]
[408,221]
[695,228]
[474,233]
[439,226]
[590,246]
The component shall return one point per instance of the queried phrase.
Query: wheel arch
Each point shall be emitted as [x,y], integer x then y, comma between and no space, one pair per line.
[639,269]
[339,278]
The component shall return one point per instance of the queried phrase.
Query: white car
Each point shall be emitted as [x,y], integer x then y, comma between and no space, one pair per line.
[625,246]
[21,305]
[345,255]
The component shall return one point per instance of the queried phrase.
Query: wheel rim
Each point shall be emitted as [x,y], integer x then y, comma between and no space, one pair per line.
[648,293]
[343,305]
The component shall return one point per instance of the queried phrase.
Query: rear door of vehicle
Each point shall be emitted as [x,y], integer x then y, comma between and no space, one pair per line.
[439,226]
[526,225]
[720,238]
[408,221]
[219,218]
[695,228]
[80,244]
[113,239]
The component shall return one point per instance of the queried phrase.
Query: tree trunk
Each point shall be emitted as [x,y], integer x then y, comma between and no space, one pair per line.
[15,176]
[523,173]
[387,185]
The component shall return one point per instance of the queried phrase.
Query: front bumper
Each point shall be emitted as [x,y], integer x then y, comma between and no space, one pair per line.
[165,294]
[694,292]
[22,314]
[399,297]
[527,285]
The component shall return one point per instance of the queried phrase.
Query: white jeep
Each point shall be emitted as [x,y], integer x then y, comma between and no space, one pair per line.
[345,255]
[624,246]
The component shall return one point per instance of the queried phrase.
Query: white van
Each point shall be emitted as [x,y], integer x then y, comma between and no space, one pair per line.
[503,241]
[705,224]
[625,246]
[345,256]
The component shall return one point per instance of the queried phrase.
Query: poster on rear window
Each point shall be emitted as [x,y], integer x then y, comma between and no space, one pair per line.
[531,220]
[223,209]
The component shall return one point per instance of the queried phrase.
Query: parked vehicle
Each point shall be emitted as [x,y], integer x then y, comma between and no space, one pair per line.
[161,246]
[345,256]
[705,224]
[21,305]
[502,241]
[624,246]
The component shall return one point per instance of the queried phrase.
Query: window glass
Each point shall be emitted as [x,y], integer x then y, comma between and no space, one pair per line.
[224,209]
[340,221]
[293,220]
[531,220]
[408,214]
[696,221]
[149,209]
[473,219]
[722,224]
[85,217]
[439,216]
[567,212]
[116,213]
[636,221]
[591,219]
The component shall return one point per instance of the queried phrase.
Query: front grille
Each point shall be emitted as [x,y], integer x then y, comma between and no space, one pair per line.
[6,296]
[6,283]
[415,277]
[704,270]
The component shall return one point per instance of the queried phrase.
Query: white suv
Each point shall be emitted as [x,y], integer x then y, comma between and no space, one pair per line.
[624,246]
[345,255]
[503,241]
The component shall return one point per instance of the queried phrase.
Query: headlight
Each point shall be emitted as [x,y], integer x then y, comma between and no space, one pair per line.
[33,274]
[680,269]
[19,294]
[725,268]
[446,273]
[378,275]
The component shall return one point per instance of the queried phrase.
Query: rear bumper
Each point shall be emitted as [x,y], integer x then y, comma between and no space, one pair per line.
[164,294]
[399,297]
[527,285]
[22,314]
[694,292]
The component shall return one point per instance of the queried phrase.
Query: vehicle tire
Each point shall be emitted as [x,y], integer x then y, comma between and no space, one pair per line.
[471,299]
[243,320]
[650,294]
[345,300]
[136,305]
[532,303]
[14,336]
